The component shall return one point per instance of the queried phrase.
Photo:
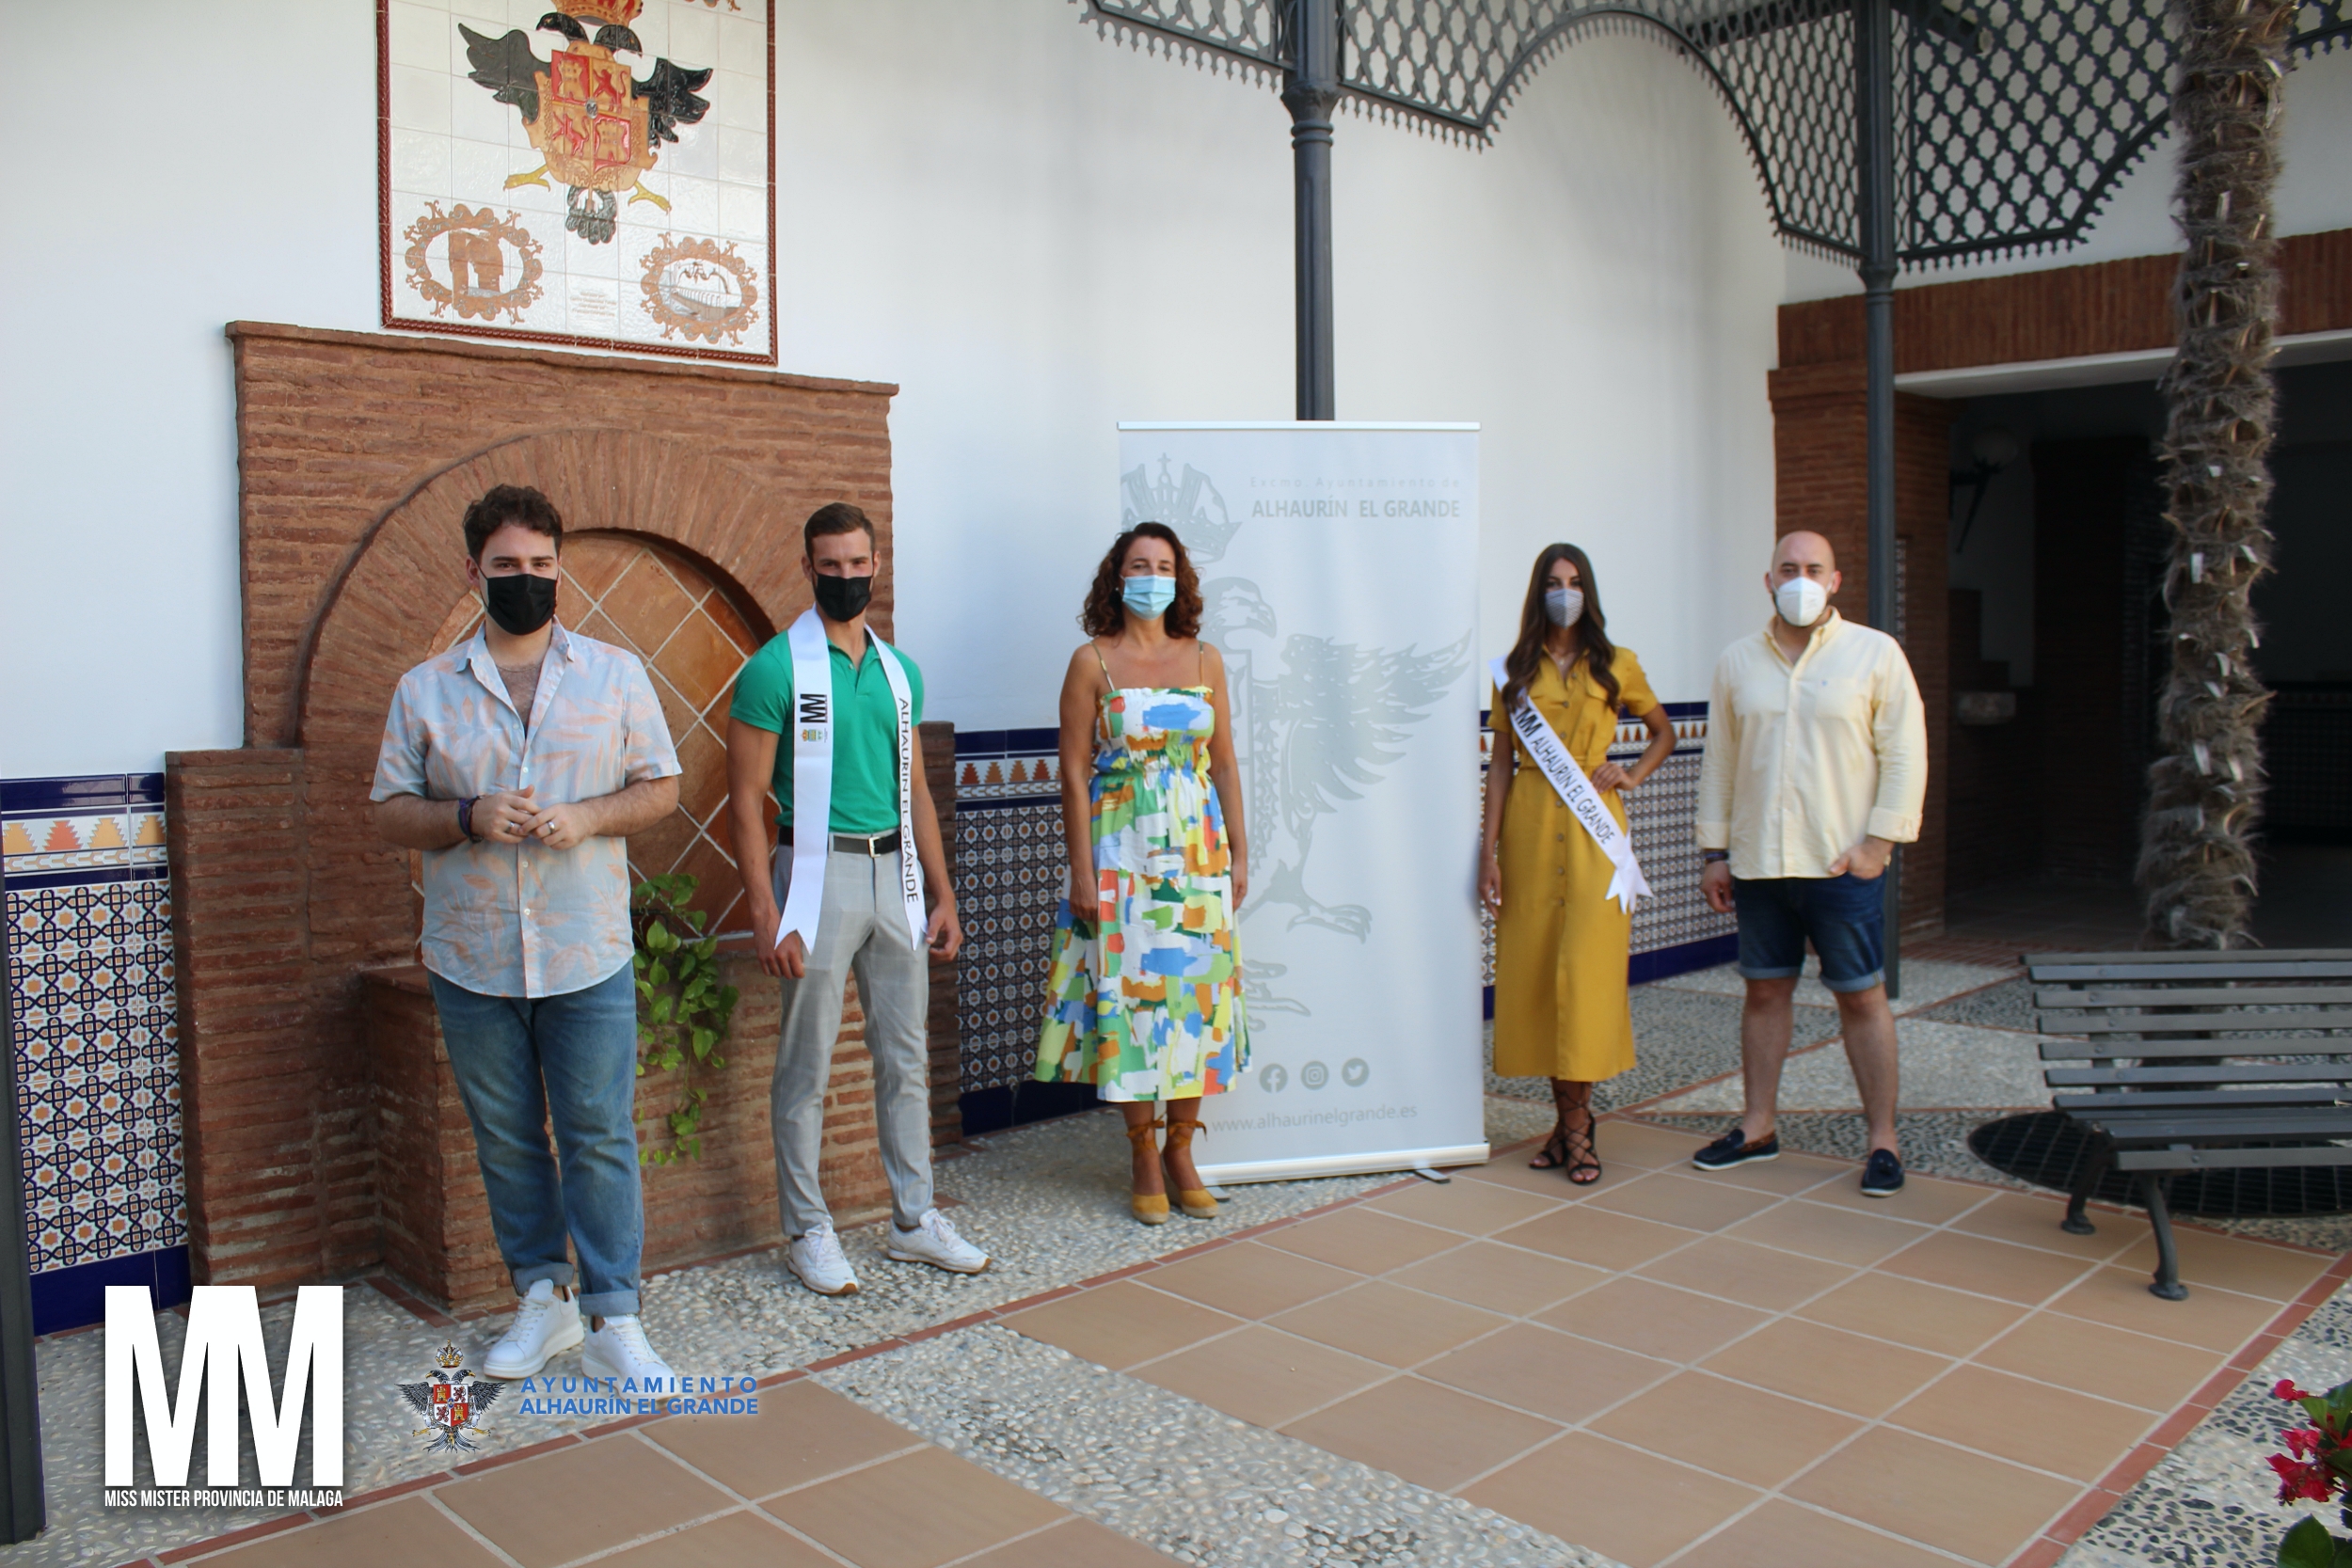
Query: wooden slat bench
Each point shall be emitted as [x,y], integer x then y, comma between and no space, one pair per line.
[2201,1061]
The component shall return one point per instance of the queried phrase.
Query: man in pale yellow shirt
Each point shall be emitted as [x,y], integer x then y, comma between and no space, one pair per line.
[1816,767]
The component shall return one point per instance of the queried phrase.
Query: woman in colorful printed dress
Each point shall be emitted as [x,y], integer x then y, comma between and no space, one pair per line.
[1144,997]
[1560,1010]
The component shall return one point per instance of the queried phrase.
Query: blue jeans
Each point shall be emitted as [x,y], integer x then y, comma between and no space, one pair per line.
[516,1058]
[1844,916]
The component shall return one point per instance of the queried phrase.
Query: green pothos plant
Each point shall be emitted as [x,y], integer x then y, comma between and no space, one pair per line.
[682,1007]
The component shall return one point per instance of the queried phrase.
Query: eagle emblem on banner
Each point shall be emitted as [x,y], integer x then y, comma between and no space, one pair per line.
[452,1400]
[595,122]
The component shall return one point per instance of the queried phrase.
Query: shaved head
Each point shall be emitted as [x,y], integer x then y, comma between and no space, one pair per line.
[1804,549]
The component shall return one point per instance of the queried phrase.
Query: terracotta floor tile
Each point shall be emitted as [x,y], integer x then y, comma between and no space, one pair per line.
[1431,1436]
[1073,1544]
[1474,1207]
[1949,1323]
[1655,1320]
[1388,1324]
[739,1540]
[2099,1358]
[1728,1428]
[2215,1319]
[1923,1200]
[1264,1375]
[399,1534]
[803,1430]
[1121,1324]
[2034,1222]
[2238,1264]
[1787,1176]
[582,1499]
[1637,1143]
[1595,1236]
[2050,1429]
[1510,1171]
[1250,1280]
[1982,1509]
[1780,1533]
[918,1512]
[1500,1278]
[1629,1505]
[1760,1276]
[1834,1235]
[1362,1240]
[1545,1374]
[1693,1202]
[1827,1366]
[1989,1268]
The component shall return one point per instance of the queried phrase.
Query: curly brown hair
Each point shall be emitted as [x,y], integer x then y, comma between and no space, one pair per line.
[1105,613]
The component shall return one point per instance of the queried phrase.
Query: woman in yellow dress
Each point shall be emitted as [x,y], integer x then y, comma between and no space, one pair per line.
[1561,943]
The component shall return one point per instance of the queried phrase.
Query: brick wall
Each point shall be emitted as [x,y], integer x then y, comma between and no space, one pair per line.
[357,454]
[2061,312]
[1817,434]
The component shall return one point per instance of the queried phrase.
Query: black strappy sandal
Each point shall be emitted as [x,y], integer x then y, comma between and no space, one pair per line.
[1583,1167]
[1555,1154]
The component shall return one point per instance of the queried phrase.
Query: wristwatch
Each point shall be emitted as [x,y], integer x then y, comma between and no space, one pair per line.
[465,818]
[1708,857]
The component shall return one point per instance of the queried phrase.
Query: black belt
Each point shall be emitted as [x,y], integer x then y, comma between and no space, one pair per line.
[859,844]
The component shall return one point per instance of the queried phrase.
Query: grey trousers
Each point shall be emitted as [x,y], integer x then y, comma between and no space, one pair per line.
[862,930]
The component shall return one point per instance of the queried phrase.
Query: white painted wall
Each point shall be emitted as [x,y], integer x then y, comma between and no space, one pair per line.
[2312,195]
[1034,232]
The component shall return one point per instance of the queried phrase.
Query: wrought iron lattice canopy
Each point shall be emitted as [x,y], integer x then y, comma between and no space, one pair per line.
[2014,119]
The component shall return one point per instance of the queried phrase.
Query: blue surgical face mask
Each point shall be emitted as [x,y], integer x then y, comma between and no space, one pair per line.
[1148,597]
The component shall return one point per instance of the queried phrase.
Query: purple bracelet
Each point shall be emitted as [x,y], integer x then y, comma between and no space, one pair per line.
[465,818]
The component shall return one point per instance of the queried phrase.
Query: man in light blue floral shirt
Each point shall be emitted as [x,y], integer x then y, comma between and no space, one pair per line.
[517,762]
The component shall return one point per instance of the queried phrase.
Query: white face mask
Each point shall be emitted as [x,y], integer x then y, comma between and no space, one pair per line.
[1800,601]
[1563,606]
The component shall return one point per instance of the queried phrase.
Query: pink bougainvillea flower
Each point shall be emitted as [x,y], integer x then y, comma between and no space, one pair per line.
[2284,1388]
[2302,1442]
[2300,1483]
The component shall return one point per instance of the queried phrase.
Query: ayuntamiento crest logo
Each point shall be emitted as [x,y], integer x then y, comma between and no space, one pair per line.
[452,1400]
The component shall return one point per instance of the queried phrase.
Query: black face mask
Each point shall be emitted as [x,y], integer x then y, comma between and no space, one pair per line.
[843,598]
[519,604]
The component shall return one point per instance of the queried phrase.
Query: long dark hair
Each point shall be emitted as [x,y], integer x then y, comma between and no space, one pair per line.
[1106,612]
[1599,654]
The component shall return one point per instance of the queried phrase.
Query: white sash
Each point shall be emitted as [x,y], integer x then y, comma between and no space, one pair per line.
[812,731]
[1576,791]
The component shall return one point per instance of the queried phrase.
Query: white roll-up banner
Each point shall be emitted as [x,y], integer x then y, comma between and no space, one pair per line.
[1339,568]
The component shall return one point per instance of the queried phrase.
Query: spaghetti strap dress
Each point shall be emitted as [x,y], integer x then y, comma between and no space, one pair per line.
[1143,995]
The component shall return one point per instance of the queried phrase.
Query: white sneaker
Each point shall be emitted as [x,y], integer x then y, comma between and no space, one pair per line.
[816,1256]
[620,1350]
[544,1324]
[933,1241]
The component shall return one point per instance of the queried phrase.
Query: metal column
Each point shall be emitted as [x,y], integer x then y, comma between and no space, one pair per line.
[23,1510]
[1874,162]
[1312,92]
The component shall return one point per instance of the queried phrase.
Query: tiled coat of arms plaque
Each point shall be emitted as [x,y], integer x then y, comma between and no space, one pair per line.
[600,174]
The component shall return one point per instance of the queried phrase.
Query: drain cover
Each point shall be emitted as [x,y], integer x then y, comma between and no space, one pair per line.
[2046,1148]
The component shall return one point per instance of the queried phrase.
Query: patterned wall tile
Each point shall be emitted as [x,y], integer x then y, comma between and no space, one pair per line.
[96,1024]
[1011,875]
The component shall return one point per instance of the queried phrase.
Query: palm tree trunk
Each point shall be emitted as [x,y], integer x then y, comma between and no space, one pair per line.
[2196,860]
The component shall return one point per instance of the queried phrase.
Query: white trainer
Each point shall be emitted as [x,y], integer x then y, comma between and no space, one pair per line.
[816,1256]
[544,1324]
[619,1349]
[933,1241]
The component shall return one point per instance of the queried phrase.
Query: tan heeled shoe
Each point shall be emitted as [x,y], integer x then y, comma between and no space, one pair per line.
[1198,1202]
[1150,1208]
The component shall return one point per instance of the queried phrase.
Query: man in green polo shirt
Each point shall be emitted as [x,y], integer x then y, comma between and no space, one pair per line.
[861,925]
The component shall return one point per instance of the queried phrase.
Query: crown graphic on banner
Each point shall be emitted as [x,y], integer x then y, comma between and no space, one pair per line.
[621,11]
[449,1357]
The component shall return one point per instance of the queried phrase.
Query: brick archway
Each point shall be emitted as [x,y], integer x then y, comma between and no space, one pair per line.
[357,454]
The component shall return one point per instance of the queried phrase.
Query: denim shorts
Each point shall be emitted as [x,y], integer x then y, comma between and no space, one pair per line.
[1845,918]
